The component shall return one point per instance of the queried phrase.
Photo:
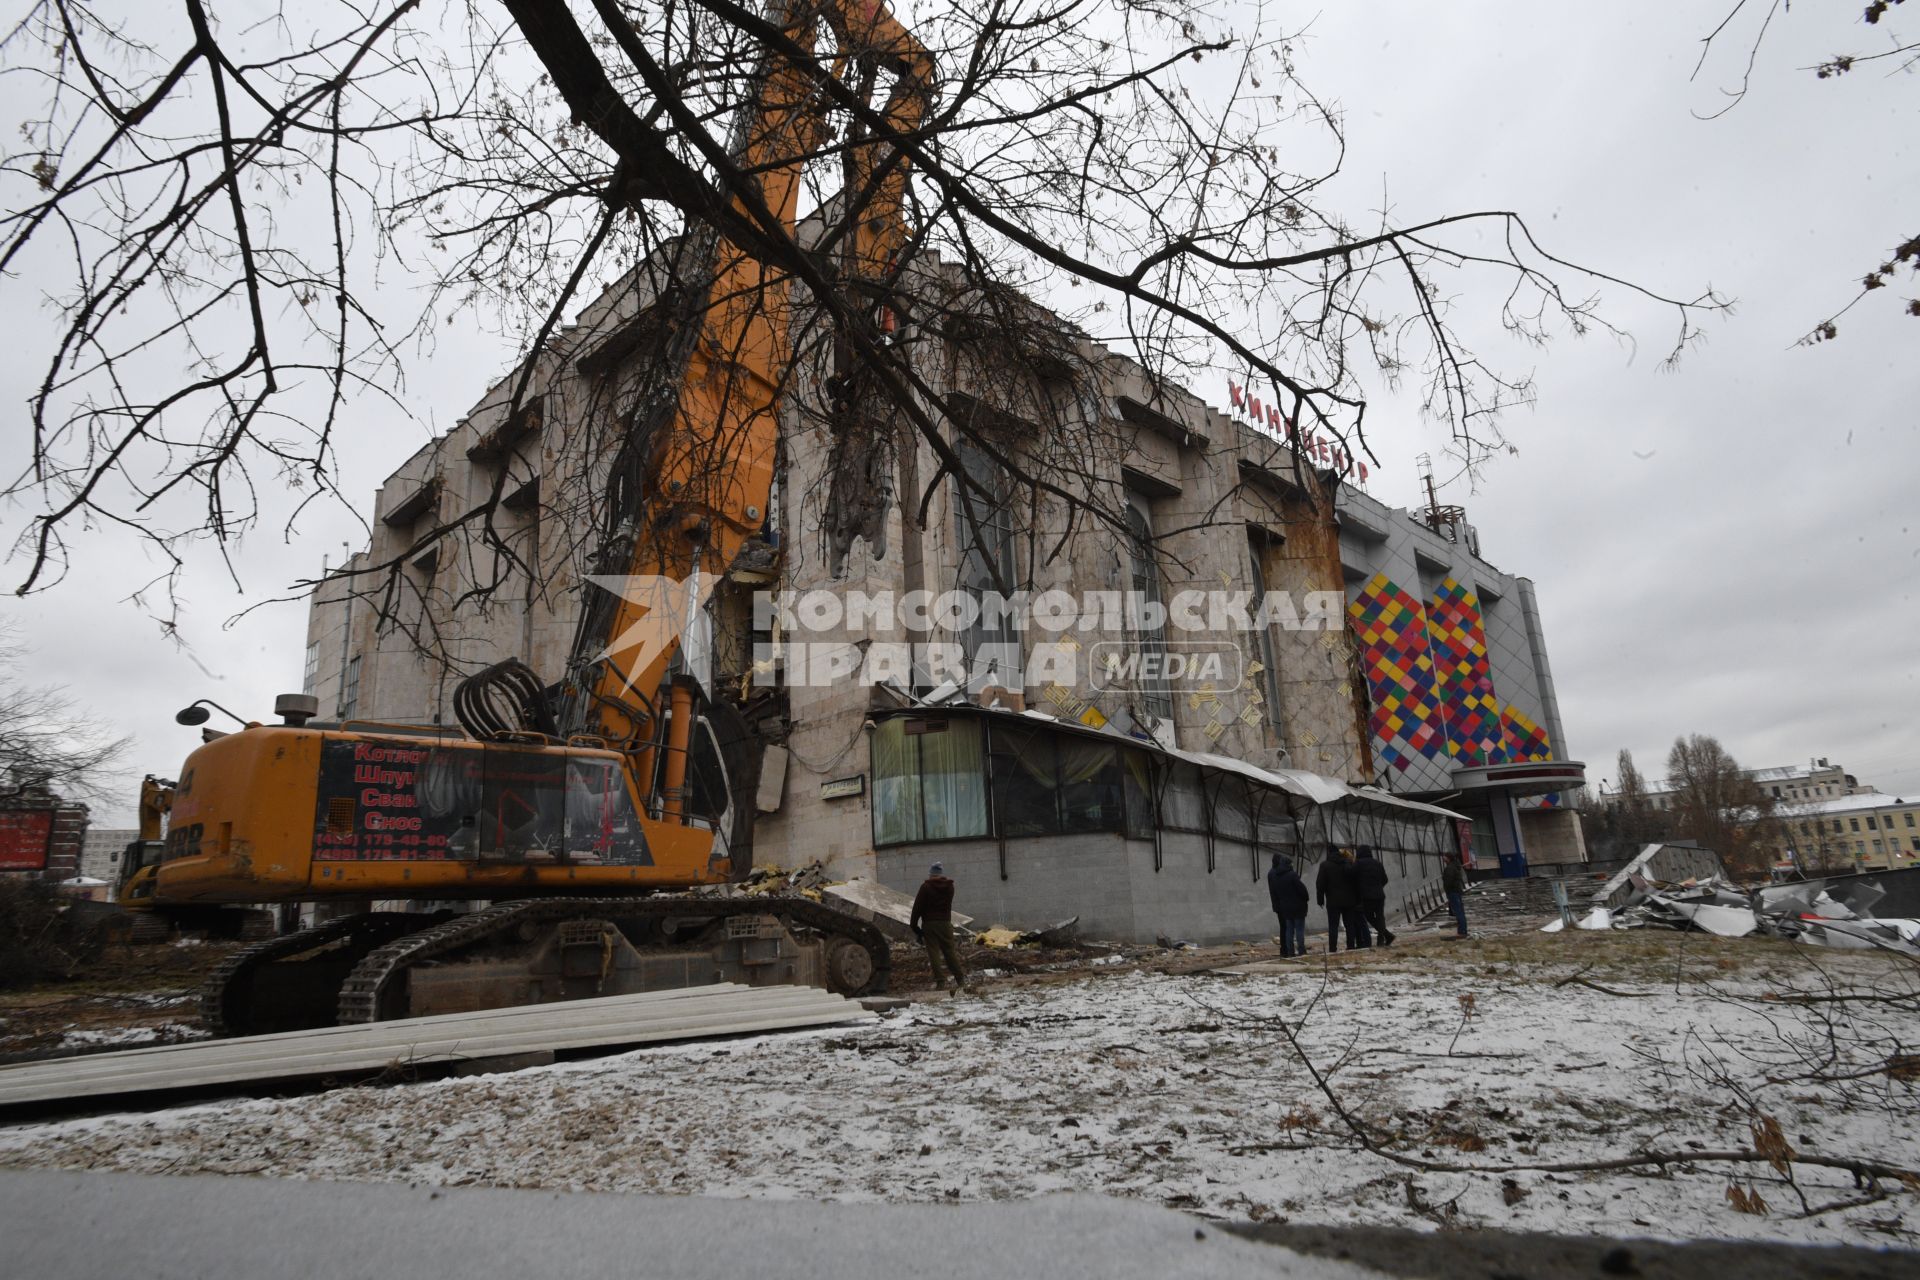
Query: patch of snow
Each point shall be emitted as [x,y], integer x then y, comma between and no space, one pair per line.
[161,1033]
[1174,1090]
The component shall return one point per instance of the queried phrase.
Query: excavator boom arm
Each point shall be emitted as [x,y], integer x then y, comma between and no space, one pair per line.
[707,477]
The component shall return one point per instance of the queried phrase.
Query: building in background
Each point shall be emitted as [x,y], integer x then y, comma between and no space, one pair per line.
[101,851]
[1861,831]
[1789,784]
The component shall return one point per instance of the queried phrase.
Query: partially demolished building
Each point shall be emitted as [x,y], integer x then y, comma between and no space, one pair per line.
[1178,670]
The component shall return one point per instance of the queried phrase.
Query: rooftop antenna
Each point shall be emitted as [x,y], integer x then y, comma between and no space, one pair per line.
[1447,520]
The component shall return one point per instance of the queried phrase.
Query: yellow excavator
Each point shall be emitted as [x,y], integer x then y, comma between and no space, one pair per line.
[549,844]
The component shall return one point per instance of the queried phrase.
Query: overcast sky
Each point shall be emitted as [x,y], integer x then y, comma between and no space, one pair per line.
[1727,548]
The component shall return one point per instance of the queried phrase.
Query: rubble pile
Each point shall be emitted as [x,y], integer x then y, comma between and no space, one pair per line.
[1064,934]
[802,882]
[1812,912]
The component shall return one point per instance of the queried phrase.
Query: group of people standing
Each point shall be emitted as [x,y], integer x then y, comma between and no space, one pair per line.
[1352,886]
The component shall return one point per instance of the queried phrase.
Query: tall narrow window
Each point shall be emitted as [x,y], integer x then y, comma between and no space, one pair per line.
[1156,698]
[983,527]
[312,673]
[350,689]
[1257,544]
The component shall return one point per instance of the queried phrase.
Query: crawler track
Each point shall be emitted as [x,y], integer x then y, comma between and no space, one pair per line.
[373,977]
[217,992]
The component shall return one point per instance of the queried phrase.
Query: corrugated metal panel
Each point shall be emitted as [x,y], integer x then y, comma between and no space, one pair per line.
[719,1010]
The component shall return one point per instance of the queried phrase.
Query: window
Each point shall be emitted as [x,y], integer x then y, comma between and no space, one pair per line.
[1870,824]
[312,672]
[983,527]
[1256,544]
[1023,784]
[1156,698]
[1854,823]
[1090,787]
[1136,781]
[1909,818]
[350,689]
[927,780]
[1047,783]
[1836,824]
[1878,847]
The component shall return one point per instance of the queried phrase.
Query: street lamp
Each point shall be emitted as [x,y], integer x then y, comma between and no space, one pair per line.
[196,713]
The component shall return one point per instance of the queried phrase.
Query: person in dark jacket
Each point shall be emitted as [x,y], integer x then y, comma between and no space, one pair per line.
[932,924]
[1453,879]
[1334,889]
[1290,897]
[1370,879]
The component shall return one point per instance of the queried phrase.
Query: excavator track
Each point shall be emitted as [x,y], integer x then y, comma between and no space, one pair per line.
[253,992]
[373,978]
[217,992]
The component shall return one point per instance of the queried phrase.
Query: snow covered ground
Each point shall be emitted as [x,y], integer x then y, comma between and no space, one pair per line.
[1183,1090]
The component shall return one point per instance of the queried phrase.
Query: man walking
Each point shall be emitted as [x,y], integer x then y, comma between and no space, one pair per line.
[932,924]
[1289,894]
[1453,879]
[1370,880]
[1333,888]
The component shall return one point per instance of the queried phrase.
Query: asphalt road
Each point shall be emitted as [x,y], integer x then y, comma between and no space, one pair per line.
[58,1225]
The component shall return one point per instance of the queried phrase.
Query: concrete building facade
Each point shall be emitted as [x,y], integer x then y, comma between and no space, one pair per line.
[101,852]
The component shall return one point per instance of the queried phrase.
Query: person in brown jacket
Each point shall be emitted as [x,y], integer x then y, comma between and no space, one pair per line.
[932,924]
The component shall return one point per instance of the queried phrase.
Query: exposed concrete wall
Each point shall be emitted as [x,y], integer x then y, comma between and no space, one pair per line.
[1110,883]
[1552,836]
[1323,709]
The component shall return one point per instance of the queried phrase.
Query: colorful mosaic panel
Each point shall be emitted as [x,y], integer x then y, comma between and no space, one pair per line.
[1463,676]
[1525,739]
[1392,630]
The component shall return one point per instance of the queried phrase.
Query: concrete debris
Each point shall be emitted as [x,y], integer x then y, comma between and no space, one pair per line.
[1715,918]
[806,881]
[801,882]
[889,910]
[1890,934]
[1826,914]
[999,937]
[1066,933]
[1658,864]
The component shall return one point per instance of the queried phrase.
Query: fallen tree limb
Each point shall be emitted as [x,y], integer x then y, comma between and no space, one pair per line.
[1577,981]
[1864,1171]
